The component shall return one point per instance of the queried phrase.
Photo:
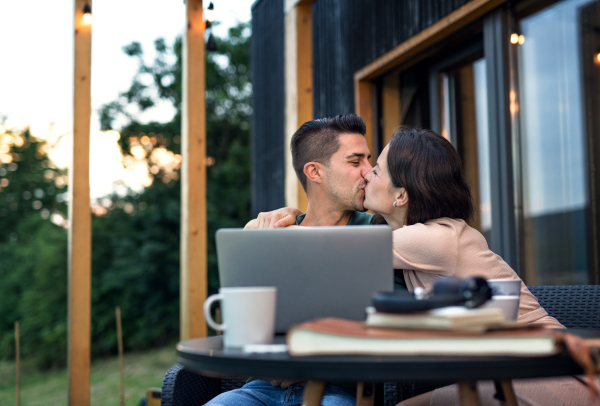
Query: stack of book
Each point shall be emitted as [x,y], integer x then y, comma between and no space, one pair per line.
[445,331]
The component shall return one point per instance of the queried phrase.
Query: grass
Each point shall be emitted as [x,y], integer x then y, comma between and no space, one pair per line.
[142,371]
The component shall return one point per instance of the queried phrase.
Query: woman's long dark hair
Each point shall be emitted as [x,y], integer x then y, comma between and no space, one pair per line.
[429,168]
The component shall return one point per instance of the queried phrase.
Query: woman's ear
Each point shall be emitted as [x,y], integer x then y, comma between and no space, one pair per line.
[401,197]
[313,172]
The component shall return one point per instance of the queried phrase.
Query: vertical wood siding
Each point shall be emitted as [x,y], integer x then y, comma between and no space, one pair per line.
[268,100]
[349,34]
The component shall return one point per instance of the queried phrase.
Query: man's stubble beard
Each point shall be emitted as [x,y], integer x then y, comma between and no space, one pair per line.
[348,199]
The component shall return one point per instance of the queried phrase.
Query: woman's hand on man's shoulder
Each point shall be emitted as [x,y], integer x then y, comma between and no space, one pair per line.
[279,218]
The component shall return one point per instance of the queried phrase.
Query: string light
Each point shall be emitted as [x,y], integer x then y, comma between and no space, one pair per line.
[210,15]
[514,38]
[87,14]
[521,39]
[211,45]
[597,59]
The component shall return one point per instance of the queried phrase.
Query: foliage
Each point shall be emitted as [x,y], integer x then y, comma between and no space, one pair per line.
[33,250]
[136,251]
[135,240]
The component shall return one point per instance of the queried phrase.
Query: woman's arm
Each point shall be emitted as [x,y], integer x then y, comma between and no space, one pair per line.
[430,248]
[279,218]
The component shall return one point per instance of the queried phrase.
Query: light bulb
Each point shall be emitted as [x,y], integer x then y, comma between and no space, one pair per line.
[521,39]
[87,14]
[514,38]
[210,16]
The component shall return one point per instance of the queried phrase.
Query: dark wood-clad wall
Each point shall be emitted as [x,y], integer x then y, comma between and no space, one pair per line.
[349,34]
[268,101]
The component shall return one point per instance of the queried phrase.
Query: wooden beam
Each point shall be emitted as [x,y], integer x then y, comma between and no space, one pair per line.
[193,186]
[390,109]
[363,99]
[80,217]
[429,36]
[298,88]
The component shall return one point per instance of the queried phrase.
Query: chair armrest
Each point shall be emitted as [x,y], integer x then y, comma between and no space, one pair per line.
[184,388]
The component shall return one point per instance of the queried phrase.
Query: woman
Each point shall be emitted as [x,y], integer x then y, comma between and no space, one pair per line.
[418,189]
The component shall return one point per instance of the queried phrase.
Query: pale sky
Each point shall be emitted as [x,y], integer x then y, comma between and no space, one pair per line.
[36,68]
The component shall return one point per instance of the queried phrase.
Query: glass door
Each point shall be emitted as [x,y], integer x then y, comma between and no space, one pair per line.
[463,119]
[557,84]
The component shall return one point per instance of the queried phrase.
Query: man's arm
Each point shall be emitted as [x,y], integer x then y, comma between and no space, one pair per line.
[275,219]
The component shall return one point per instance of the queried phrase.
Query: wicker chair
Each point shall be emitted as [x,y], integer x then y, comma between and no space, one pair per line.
[573,306]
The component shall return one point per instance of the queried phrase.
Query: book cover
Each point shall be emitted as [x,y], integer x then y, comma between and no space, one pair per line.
[330,336]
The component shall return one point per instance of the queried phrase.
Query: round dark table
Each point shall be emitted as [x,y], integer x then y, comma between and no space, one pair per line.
[207,356]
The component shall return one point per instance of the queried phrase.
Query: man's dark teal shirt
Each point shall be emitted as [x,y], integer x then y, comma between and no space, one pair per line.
[358,218]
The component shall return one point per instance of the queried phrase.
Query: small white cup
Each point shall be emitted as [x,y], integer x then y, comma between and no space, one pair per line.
[248,315]
[505,287]
[508,304]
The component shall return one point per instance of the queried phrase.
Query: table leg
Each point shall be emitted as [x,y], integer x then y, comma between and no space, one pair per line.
[365,394]
[509,393]
[467,393]
[313,393]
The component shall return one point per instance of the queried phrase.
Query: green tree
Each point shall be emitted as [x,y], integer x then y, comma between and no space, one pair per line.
[33,250]
[136,241]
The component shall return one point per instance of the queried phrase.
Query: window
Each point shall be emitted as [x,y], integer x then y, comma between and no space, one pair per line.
[463,119]
[555,47]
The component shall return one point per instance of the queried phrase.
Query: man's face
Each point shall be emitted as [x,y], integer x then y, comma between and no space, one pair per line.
[345,175]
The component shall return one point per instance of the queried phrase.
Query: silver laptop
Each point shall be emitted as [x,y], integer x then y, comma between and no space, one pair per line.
[318,271]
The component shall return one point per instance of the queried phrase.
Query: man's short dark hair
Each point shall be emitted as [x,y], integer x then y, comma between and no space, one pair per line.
[317,140]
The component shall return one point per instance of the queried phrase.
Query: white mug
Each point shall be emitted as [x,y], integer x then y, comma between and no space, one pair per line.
[505,287]
[508,304]
[248,315]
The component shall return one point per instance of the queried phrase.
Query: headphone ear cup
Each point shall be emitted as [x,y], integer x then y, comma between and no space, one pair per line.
[448,286]
[473,291]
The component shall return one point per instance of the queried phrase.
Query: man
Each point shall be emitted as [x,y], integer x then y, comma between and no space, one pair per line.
[331,158]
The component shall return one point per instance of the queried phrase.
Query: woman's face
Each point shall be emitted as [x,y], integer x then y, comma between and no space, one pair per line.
[380,194]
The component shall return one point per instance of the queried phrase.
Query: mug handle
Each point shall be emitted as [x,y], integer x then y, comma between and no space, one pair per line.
[209,320]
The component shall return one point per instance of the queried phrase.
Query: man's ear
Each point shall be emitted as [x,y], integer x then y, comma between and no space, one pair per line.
[314,172]
[401,197]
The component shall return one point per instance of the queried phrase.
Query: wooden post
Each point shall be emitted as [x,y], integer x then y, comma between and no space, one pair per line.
[18,362]
[121,367]
[80,242]
[298,88]
[193,185]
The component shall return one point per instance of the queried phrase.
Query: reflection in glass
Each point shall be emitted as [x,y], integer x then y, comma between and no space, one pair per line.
[464,121]
[552,147]
[483,147]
